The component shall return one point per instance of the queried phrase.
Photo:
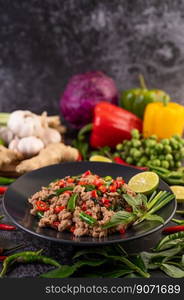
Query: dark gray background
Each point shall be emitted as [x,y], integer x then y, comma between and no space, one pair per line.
[44,42]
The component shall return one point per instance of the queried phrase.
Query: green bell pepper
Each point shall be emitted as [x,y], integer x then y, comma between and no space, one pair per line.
[135,100]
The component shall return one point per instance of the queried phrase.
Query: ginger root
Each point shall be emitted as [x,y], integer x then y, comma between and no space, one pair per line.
[8,156]
[52,154]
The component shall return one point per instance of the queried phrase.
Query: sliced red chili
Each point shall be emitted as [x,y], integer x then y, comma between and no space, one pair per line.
[98,182]
[70,180]
[122,230]
[94,194]
[41,206]
[84,206]
[102,188]
[119,183]
[112,188]
[55,224]
[57,209]
[128,209]
[106,202]
[82,182]
[88,213]
[87,173]
[62,183]
[68,192]
[72,229]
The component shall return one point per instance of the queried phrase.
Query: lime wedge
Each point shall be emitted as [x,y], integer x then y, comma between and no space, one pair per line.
[100,158]
[144,182]
[178,192]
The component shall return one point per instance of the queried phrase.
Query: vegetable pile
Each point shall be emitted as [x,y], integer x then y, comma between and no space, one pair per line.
[139,151]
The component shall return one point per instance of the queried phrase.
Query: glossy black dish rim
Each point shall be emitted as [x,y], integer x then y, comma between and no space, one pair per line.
[96,241]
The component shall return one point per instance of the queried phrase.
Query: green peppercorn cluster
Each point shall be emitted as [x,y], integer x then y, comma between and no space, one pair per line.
[139,151]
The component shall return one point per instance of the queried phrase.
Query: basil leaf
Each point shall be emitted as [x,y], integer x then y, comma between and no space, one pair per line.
[72,202]
[172,271]
[121,217]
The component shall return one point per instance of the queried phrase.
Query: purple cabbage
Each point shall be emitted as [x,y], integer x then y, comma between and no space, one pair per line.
[82,93]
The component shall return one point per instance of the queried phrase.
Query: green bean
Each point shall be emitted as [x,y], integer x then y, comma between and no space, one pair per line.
[72,202]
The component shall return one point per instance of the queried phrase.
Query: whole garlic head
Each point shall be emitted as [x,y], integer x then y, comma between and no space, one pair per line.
[30,146]
[24,123]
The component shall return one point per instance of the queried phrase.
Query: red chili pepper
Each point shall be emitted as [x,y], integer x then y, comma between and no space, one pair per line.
[102,188]
[7,227]
[98,182]
[82,182]
[57,209]
[3,189]
[112,124]
[120,161]
[72,229]
[106,202]
[122,230]
[67,192]
[70,180]
[62,183]
[112,188]
[94,194]
[88,213]
[55,224]
[2,258]
[128,209]
[173,229]
[41,206]
[86,173]
[84,207]
[119,183]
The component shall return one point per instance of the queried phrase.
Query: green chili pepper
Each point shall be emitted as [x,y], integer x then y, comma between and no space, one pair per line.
[27,257]
[135,100]
[88,219]
[40,214]
[72,202]
[5,180]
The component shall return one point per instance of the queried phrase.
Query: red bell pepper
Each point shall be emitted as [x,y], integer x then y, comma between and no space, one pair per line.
[111,125]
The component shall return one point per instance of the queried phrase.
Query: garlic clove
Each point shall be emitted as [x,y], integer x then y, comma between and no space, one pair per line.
[13,145]
[50,136]
[6,135]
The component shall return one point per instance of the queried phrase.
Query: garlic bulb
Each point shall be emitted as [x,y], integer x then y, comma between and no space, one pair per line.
[30,146]
[6,135]
[24,123]
[50,136]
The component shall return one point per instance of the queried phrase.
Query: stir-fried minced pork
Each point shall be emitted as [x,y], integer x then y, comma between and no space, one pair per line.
[81,204]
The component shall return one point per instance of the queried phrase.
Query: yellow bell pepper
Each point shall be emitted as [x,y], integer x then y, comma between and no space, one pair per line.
[163,120]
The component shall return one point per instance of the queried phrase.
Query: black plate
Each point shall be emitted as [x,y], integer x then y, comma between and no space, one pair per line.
[18,209]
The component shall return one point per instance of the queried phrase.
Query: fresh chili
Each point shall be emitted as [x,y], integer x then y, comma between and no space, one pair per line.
[5,180]
[3,257]
[41,206]
[173,229]
[7,227]
[57,209]
[3,189]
